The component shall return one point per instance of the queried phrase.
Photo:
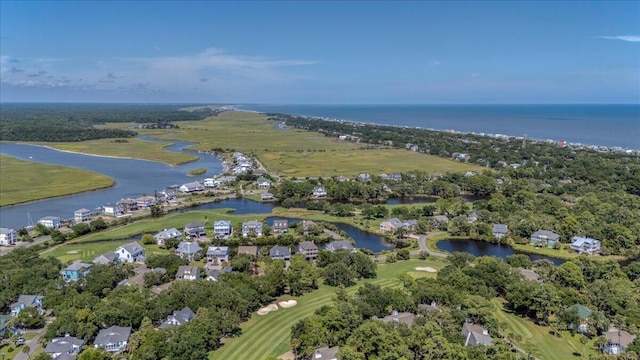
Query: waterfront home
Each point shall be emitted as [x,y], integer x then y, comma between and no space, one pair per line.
[145,202]
[308,249]
[499,231]
[263,183]
[65,345]
[584,313]
[390,225]
[113,339]
[250,250]
[127,206]
[544,238]
[186,272]
[218,254]
[252,228]
[585,245]
[188,250]
[214,275]
[25,301]
[395,176]
[191,187]
[280,227]
[226,179]
[475,335]
[110,257]
[131,252]
[617,341]
[194,230]
[178,318]
[168,195]
[406,318]
[364,177]
[222,229]
[266,196]
[81,215]
[340,245]
[75,271]
[319,191]
[326,353]
[52,222]
[8,236]
[111,210]
[209,183]
[167,234]
[280,252]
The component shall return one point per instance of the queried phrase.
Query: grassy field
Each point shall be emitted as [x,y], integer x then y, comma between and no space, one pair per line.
[264,336]
[22,181]
[88,251]
[133,148]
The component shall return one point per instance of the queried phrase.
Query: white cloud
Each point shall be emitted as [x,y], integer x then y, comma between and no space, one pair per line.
[629,38]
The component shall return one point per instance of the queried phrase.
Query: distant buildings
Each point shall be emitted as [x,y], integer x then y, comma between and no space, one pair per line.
[340,245]
[194,230]
[191,187]
[544,238]
[167,234]
[81,215]
[52,222]
[252,228]
[308,249]
[222,229]
[499,231]
[8,236]
[280,227]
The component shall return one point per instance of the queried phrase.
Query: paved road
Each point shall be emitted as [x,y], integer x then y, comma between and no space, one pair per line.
[423,246]
[32,344]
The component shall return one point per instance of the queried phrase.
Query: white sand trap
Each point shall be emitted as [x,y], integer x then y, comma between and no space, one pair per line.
[73,252]
[288,304]
[267,309]
[426,268]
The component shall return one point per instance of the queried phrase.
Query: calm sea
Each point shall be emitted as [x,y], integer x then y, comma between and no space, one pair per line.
[607,125]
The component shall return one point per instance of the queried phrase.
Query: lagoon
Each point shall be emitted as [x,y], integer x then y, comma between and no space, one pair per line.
[483,248]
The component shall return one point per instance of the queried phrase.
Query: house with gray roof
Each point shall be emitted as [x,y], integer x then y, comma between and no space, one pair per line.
[194,230]
[188,250]
[222,229]
[218,254]
[280,252]
[191,187]
[252,228]
[25,301]
[529,274]
[214,275]
[544,238]
[113,339]
[440,219]
[167,234]
[585,245]
[52,222]
[263,182]
[66,345]
[340,245]
[390,225]
[405,318]
[131,252]
[617,341]
[178,318]
[308,249]
[326,353]
[280,227]
[186,272]
[475,335]
[499,231]
[110,257]
[81,215]
[75,271]
[138,278]
[8,236]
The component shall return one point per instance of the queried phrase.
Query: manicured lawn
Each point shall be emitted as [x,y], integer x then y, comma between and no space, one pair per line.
[133,148]
[264,336]
[538,339]
[22,181]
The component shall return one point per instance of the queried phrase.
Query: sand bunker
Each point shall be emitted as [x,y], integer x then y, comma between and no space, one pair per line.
[267,309]
[288,304]
[427,269]
[73,252]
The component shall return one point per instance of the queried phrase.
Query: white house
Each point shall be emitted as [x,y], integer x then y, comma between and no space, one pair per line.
[191,187]
[131,252]
[186,272]
[263,183]
[188,250]
[8,236]
[64,346]
[209,182]
[218,254]
[166,234]
[222,228]
[585,245]
[319,191]
[81,215]
[251,228]
[50,222]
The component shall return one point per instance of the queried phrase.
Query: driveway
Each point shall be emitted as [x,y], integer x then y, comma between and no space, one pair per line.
[32,344]
[423,246]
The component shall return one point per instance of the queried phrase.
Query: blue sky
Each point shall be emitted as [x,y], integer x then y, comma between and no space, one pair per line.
[321,52]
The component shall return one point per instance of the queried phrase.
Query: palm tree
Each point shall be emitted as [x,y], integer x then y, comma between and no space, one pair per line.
[26,349]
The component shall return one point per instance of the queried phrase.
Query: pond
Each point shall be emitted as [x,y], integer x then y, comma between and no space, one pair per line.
[483,248]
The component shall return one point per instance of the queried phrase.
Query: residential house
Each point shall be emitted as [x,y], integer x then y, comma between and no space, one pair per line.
[214,275]
[305,226]
[252,228]
[442,219]
[617,341]
[81,215]
[188,250]
[263,182]
[131,252]
[251,250]
[65,345]
[280,227]
[585,245]
[8,236]
[145,202]
[75,271]
[186,272]
[280,252]
[113,339]
[474,216]
[390,225]
[544,238]
[194,230]
[266,196]
[191,187]
[168,195]
[178,318]
[126,206]
[340,245]
[218,254]
[326,353]
[209,183]
[529,274]
[475,335]
[222,229]
[308,249]
[406,318]
[138,278]
[25,301]
[111,210]
[583,313]
[499,231]
[395,176]
[319,191]
[110,257]
[259,172]
[52,222]
[364,177]
[167,234]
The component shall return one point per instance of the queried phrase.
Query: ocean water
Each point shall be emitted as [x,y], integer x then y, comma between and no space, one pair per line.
[604,125]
